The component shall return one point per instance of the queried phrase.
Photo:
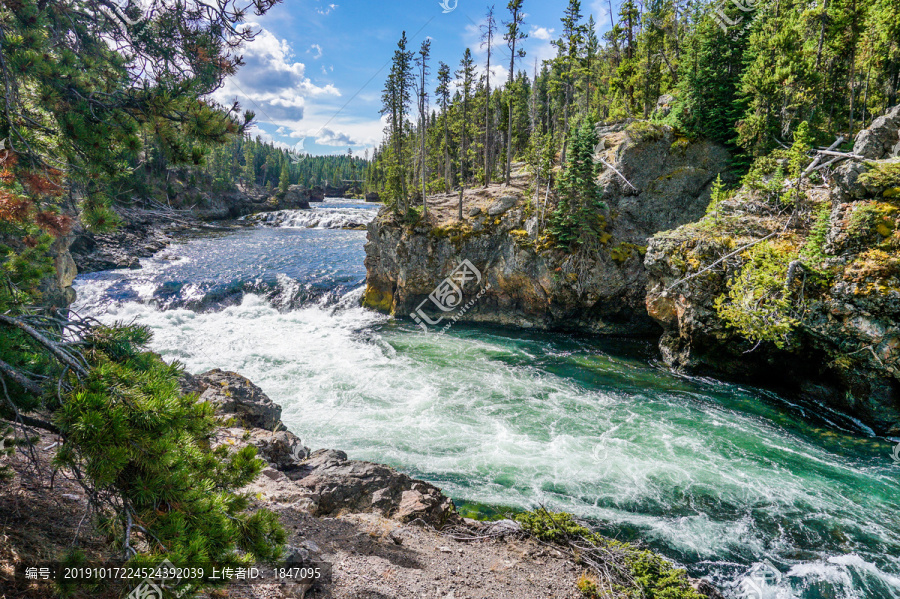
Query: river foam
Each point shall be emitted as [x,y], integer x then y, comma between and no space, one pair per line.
[722,478]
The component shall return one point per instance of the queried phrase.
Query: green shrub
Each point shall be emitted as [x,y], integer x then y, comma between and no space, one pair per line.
[638,573]
[870,218]
[881,175]
[758,302]
[145,448]
[814,250]
[767,175]
[644,131]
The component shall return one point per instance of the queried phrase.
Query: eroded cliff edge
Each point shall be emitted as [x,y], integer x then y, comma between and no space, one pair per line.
[834,283]
[663,181]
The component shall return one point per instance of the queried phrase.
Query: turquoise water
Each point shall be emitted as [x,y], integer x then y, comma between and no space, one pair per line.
[721,478]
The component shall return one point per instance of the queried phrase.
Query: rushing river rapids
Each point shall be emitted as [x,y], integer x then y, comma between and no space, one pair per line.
[724,479]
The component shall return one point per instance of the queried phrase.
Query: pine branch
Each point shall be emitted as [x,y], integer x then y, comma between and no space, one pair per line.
[20,378]
[52,347]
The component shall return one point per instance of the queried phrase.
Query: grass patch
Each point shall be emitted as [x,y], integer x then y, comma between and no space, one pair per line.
[615,569]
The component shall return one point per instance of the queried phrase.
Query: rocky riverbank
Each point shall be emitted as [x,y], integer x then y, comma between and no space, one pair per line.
[836,251]
[834,260]
[147,226]
[385,534]
[654,181]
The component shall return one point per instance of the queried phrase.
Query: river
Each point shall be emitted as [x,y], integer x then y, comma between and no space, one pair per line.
[724,479]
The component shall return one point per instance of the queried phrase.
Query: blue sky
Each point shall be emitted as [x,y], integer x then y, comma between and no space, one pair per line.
[314,73]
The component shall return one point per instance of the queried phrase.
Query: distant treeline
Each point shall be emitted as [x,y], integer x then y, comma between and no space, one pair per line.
[744,74]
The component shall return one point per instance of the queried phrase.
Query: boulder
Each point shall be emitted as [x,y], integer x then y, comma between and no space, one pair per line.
[502,205]
[282,449]
[882,138]
[234,394]
[317,194]
[296,196]
[335,192]
[373,197]
[664,105]
[322,483]
[880,141]
[337,484]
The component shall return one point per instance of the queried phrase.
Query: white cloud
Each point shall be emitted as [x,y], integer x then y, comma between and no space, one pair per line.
[268,137]
[271,82]
[318,50]
[328,137]
[327,9]
[600,10]
[542,33]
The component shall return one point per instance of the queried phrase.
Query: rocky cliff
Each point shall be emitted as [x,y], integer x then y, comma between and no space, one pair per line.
[652,181]
[832,297]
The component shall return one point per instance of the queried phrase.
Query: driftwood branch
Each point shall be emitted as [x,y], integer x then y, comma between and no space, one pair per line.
[815,163]
[719,261]
[793,267]
[22,419]
[849,155]
[605,163]
[37,423]
[827,164]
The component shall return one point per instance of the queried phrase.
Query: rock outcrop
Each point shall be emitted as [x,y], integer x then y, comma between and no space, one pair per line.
[323,482]
[141,235]
[662,181]
[843,282]
[235,395]
[241,201]
[57,289]
[147,230]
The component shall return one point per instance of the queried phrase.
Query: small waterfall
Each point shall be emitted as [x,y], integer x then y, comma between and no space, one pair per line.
[316,218]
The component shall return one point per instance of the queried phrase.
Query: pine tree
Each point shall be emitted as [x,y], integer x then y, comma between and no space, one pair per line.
[284,179]
[249,166]
[569,47]
[422,61]
[395,103]
[89,97]
[577,221]
[708,102]
[466,78]
[487,40]
[443,93]
[513,36]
